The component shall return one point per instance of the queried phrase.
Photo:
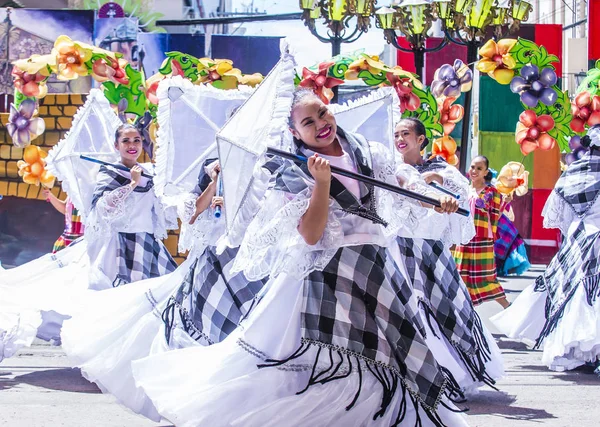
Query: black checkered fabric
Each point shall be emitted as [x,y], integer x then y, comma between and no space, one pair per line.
[362,304]
[141,256]
[576,264]
[579,185]
[290,178]
[359,311]
[211,302]
[432,164]
[114,181]
[446,300]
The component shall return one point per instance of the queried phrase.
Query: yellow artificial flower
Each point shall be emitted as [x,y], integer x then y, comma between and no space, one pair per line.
[497,61]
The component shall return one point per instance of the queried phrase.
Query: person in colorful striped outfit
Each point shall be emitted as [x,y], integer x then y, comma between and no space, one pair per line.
[73,225]
[475,260]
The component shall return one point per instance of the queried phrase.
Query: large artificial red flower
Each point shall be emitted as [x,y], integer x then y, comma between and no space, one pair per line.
[586,111]
[450,114]
[404,88]
[320,82]
[30,85]
[532,132]
[112,69]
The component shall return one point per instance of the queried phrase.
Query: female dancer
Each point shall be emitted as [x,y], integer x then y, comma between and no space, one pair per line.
[475,260]
[561,311]
[125,217]
[336,339]
[126,221]
[444,298]
[73,225]
[199,304]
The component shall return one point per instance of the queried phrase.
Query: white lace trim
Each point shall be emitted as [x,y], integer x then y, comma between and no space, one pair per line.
[273,244]
[557,213]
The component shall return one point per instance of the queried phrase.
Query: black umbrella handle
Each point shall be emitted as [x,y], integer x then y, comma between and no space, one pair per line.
[367,180]
[120,167]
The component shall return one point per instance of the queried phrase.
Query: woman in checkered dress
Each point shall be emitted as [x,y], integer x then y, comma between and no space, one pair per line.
[127,221]
[561,310]
[475,260]
[444,299]
[199,304]
[336,339]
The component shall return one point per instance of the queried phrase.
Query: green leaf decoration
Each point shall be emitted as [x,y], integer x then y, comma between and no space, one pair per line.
[187,63]
[133,93]
[338,69]
[527,52]
[297,79]
[372,79]
[591,83]
[427,112]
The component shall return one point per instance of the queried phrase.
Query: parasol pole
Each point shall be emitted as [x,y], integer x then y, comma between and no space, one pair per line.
[366,180]
[116,166]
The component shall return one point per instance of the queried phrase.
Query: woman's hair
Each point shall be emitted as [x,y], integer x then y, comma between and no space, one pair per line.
[300,95]
[121,128]
[419,128]
[489,175]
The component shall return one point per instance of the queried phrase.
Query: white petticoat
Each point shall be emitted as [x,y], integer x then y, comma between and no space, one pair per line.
[48,288]
[17,330]
[575,340]
[222,385]
[119,325]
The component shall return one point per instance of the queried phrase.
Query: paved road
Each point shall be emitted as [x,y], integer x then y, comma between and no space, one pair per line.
[38,389]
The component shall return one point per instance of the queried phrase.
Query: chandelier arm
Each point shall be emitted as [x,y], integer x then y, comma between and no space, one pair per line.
[394,42]
[442,44]
[355,38]
[454,40]
[349,38]
[322,39]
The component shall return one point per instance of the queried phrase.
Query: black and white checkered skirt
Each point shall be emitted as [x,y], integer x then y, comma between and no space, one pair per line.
[211,302]
[141,256]
[445,301]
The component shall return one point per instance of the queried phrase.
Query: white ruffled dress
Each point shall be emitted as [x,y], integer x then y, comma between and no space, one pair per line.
[467,348]
[573,339]
[223,384]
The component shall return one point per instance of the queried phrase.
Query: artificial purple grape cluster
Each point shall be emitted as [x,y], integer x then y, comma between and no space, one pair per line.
[534,86]
[577,150]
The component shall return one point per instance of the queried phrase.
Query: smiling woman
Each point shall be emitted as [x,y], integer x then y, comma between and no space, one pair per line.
[127,220]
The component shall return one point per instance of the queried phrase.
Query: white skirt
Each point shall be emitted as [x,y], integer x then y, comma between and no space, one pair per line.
[119,325]
[49,288]
[17,330]
[222,384]
[574,342]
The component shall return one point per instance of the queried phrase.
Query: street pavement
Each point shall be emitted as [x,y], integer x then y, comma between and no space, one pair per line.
[38,389]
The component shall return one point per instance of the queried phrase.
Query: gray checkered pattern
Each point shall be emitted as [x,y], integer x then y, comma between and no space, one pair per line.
[116,180]
[579,185]
[291,178]
[431,165]
[576,264]
[141,256]
[210,303]
[436,279]
[362,304]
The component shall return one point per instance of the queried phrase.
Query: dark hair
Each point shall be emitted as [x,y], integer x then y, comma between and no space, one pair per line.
[123,127]
[419,128]
[489,175]
[299,96]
